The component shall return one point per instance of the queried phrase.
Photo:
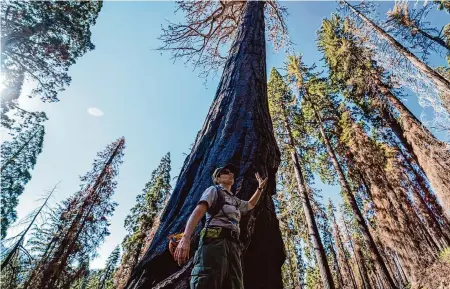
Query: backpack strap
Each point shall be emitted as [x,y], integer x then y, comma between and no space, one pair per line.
[215,208]
[218,207]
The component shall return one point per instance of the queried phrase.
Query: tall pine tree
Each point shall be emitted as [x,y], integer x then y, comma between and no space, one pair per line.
[109,270]
[352,69]
[283,109]
[18,158]
[441,82]
[148,206]
[81,224]
[321,105]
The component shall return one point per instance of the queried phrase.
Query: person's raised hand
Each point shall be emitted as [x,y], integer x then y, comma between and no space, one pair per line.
[261,183]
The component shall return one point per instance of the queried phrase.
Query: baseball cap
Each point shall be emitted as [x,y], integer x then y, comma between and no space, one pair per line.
[229,166]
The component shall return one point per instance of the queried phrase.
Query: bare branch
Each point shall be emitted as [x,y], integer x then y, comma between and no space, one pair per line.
[209,28]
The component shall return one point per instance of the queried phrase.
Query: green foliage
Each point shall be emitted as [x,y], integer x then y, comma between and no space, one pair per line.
[151,201]
[78,226]
[443,5]
[350,66]
[91,280]
[107,275]
[291,216]
[18,158]
[42,40]
[445,255]
[313,278]
[148,206]
[446,36]
[12,276]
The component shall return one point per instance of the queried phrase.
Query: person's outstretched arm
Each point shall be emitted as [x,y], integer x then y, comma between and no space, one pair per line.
[255,198]
[182,251]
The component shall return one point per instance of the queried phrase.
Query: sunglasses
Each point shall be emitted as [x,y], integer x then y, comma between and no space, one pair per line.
[225,172]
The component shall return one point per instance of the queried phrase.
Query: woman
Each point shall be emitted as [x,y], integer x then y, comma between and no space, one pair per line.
[217,262]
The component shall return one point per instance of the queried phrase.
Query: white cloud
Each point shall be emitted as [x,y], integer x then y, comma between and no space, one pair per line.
[95,111]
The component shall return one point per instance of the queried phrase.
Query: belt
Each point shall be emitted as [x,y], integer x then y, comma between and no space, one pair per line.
[219,232]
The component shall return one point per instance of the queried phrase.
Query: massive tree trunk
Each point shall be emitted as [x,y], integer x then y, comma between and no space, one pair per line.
[349,196]
[439,80]
[237,129]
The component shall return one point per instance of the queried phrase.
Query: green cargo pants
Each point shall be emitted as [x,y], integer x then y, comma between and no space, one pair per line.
[217,264]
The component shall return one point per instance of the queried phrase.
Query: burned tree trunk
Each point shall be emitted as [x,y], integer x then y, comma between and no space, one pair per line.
[237,129]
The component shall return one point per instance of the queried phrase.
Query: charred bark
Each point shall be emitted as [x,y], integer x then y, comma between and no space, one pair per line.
[237,129]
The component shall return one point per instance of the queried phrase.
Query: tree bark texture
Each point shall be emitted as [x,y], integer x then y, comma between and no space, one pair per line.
[433,155]
[349,196]
[237,129]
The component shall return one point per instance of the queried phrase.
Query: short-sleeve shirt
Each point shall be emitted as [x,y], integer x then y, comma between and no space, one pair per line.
[230,215]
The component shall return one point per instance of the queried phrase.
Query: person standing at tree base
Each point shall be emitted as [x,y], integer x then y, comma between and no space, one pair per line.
[217,262]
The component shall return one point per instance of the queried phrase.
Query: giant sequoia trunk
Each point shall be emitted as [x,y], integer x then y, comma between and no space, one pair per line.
[237,129]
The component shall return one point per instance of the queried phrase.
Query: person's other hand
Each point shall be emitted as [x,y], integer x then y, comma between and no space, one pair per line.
[182,251]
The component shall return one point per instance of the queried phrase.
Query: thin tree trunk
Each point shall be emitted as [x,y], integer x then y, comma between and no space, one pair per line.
[440,239]
[355,256]
[433,156]
[436,39]
[18,244]
[338,268]
[55,267]
[379,262]
[289,256]
[313,232]
[341,248]
[400,268]
[425,210]
[438,79]
[237,129]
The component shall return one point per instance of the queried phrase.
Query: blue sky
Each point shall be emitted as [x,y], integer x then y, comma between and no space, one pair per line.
[157,105]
